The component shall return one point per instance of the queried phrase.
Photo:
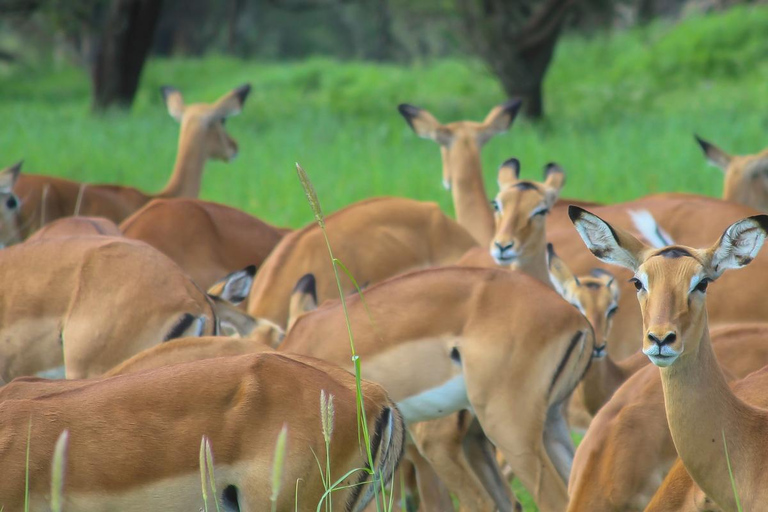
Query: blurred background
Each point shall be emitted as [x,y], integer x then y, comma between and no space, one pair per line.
[613,90]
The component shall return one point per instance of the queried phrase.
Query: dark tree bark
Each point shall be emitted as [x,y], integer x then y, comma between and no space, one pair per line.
[517,39]
[121,51]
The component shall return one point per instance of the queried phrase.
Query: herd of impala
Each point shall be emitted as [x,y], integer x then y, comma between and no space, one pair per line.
[482,341]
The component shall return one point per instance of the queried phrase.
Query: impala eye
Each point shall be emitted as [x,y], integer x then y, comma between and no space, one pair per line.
[543,211]
[638,284]
[12,203]
[611,311]
[702,286]
[496,206]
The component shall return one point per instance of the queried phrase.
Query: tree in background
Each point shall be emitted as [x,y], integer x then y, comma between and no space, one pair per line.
[517,39]
[121,50]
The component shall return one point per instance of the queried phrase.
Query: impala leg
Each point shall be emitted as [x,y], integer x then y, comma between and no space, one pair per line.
[557,440]
[481,455]
[433,494]
[441,443]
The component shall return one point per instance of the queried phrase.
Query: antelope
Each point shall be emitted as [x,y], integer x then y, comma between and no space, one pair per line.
[746,177]
[672,284]
[207,240]
[76,226]
[134,440]
[41,199]
[375,239]
[460,144]
[473,349]
[687,219]
[678,493]
[92,302]
[613,475]
[596,296]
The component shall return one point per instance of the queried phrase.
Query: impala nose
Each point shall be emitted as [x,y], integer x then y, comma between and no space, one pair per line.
[503,248]
[666,339]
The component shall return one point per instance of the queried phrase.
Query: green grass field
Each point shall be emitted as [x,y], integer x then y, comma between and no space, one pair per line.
[622,111]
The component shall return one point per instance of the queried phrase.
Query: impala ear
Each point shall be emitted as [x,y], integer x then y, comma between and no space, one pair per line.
[425,124]
[231,103]
[8,177]
[235,287]
[738,245]
[715,155]
[303,298]
[559,273]
[498,120]
[174,101]
[509,173]
[608,244]
[554,180]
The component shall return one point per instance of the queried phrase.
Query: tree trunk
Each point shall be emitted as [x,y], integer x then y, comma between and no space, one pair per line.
[517,40]
[121,51]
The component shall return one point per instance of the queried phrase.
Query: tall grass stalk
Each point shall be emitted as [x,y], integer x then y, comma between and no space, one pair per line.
[362,421]
[326,418]
[211,476]
[277,467]
[57,472]
[26,468]
[730,473]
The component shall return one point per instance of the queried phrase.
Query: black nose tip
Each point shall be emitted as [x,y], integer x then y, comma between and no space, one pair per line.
[503,248]
[668,339]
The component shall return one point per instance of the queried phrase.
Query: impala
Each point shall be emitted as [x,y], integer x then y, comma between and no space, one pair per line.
[609,473]
[92,302]
[208,240]
[678,492]
[41,199]
[596,296]
[76,226]
[746,177]
[514,374]
[134,440]
[689,220]
[375,239]
[701,408]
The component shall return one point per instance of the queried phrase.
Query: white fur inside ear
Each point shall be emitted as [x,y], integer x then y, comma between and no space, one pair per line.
[650,229]
[738,246]
[598,237]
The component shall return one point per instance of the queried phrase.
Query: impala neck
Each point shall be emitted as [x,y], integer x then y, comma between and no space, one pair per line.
[700,408]
[602,379]
[533,261]
[470,201]
[191,156]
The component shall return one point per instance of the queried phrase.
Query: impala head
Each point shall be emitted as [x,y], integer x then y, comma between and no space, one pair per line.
[596,295]
[10,206]
[206,120]
[746,177]
[672,281]
[521,207]
[461,140]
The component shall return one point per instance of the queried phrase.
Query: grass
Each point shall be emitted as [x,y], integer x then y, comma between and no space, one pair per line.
[622,110]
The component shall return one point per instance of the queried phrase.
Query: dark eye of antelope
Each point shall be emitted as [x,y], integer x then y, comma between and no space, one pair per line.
[638,284]
[541,212]
[702,286]
[496,206]
[612,311]
[12,203]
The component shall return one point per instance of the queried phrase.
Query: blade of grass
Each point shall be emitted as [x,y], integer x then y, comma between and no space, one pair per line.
[59,464]
[203,479]
[26,468]
[730,473]
[314,203]
[211,476]
[277,466]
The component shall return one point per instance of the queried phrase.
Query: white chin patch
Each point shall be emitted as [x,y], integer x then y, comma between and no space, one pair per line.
[662,361]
